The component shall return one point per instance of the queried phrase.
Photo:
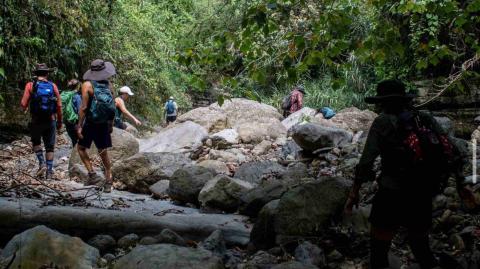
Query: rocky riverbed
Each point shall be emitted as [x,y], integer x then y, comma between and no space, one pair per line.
[231,186]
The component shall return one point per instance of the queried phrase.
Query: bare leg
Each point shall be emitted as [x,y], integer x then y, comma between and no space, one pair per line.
[82,151]
[107,165]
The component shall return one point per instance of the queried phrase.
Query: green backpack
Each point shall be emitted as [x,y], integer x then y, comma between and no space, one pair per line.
[102,109]
[68,111]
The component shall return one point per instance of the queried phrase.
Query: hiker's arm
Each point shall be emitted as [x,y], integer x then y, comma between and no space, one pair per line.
[123,108]
[364,170]
[26,96]
[59,106]
[86,87]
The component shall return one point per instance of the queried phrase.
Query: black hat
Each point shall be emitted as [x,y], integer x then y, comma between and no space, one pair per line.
[390,90]
[99,70]
[42,68]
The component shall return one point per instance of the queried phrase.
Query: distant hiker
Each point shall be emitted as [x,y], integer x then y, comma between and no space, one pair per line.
[121,109]
[43,99]
[417,158]
[171,110]
[71,102]
[294,101]
[96,118]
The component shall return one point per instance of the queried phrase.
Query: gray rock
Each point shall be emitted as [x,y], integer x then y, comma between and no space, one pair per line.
[223,193]
[170,237]
[224,139]
[304,114]
[144,169]
[260,260]
[294,265]
[168,256]
[311,137]
[215,243]
[263,232]
[306,209]
[102,242]
[129,240]
[183,137]
[254,172]
[447,124]
[255,199]
[160,189]
[213,120]
[301,211]
[291,151]
[148,240]
[358,220]
[186,183]
[40,245]
[310,254]
[262,148]
[295,172]
[218,166]
[109,257]
[226,156]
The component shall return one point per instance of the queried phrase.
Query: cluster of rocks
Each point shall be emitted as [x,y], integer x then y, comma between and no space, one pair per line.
[290,176]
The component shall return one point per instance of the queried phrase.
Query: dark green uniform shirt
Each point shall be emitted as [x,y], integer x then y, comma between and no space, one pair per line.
[385,140]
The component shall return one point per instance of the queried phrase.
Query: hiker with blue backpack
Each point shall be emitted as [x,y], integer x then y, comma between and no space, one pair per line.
[95,119]
[124,93]
[71,102]
[171,110]
[42,98]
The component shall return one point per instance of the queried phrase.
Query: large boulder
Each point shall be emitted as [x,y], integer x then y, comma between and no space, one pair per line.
[254,200]
[252,120]
[40,246]
[124,145]
[311,137]
[144,169]
[168,256]
[255,172]
[213,120]
[227,156]
[303,211]
[184,137]
[447,125]
[186,183]
[304,114]
[351,119]
[224,193]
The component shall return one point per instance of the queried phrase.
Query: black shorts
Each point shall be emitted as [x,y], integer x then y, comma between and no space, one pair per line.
[43,131]
[171,119]
[98,134]
[118,123]
[410,209]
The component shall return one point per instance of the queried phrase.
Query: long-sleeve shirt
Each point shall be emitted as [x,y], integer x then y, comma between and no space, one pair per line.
[385,140]
[296,101]
[27,94]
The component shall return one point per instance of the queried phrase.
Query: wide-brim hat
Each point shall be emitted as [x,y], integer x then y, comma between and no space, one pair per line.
[390,90]
[42,67]
[100,70]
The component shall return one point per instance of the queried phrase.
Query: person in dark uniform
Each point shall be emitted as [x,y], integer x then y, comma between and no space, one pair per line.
[404,196]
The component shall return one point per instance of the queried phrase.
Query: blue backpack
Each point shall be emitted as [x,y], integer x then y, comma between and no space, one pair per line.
[43,103]
[170,107]
[327,112]
[102,108]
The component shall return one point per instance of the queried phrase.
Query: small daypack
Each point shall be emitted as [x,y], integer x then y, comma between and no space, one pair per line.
[68,108]
[170,107]
[102,108]
[429,152]
[327,112]
[287,102]
[43,103]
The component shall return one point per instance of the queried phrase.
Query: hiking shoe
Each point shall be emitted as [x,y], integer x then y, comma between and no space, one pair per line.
[41,171]
[93,179]
[49,175]
[107,187]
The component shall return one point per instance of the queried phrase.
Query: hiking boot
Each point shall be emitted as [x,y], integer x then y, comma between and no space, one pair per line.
[93,179]
[49,175]
[41,171]
[107,187]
